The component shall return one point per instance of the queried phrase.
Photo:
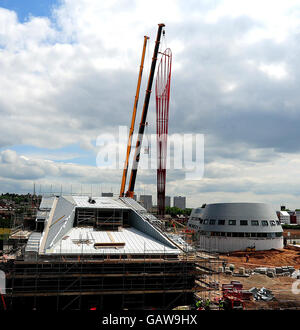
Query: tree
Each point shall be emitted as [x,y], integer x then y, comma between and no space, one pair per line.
[173,211]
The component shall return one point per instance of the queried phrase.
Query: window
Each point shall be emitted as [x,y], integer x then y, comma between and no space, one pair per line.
[247,234]
[244,222]
[201,220]
[229,234]
[273,223]
[278,234]
[265,223]
[205,222]
[261,234]
[232,222]
[278,222]
[221,222]
[254,223]
[240,234]
[212,222]
[253,234]
[234,234]
[222,233]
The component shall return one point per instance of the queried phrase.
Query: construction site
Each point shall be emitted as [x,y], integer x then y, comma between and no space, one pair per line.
[129,264]
[111,253]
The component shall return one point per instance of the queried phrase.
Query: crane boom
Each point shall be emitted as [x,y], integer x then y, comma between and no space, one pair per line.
[136,100]
[130,191]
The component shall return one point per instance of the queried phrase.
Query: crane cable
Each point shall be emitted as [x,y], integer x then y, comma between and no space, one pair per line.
[147,148]
[164,40]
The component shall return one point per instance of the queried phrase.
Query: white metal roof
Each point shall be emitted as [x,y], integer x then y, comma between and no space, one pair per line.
[135,241]
[47,202]
[134,204]
[100,202]
[284,213]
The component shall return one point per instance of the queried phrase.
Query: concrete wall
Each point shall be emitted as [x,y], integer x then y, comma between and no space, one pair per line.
[62,222]
[145,227]
[230,244]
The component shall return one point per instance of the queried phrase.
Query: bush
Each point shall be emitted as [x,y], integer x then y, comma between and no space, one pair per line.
[286,226]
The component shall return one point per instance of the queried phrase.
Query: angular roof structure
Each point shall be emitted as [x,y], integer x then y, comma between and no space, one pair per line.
[65,233]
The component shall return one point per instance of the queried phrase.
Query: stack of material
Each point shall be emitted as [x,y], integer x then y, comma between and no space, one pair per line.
[275,271]
[241,273]
[228,271]
[271,272]
[296,274]
[261,270]
[231,267]
[262,294]
[284,270]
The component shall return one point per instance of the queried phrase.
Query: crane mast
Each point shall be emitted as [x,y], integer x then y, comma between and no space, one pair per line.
[136,100]
[130,191]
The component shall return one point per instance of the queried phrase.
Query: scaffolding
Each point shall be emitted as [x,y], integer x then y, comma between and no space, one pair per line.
[137,279]
[129,282]
[208,267]
[101,219]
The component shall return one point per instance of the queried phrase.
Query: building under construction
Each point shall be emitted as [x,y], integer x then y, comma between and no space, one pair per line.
[99,252]
[104,253]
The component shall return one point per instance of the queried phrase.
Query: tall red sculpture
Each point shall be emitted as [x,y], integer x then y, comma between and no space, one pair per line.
[162,91]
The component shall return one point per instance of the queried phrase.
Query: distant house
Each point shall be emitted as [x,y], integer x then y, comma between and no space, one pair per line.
[284,217]
[297,213]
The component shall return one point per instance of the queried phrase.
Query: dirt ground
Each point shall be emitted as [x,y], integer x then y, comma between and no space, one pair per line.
[281,287]
[290,256]
[294,233]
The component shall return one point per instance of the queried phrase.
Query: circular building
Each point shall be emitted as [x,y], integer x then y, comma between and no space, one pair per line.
[226,227]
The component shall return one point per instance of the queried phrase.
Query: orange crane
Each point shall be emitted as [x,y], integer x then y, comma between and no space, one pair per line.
[136,100]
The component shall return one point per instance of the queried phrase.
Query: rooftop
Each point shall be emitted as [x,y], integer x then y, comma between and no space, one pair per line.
[81,240]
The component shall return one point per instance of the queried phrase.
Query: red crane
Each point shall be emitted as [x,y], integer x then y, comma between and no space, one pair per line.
[162,90]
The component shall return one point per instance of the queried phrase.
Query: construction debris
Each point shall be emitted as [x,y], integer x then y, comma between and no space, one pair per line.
[296,274]
[262,294]
[275,271]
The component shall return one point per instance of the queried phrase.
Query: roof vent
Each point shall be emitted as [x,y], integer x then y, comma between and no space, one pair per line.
[91,200]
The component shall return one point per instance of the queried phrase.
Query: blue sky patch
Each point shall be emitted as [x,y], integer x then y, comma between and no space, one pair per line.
[26,8]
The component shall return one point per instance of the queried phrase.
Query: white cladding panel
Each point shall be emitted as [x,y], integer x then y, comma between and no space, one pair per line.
[229,244]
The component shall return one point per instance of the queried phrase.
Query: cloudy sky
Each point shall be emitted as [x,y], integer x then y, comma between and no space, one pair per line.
[69,70]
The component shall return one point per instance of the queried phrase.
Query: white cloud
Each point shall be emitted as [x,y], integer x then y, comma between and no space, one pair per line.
[276,17]
[277,71]
[65,81]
